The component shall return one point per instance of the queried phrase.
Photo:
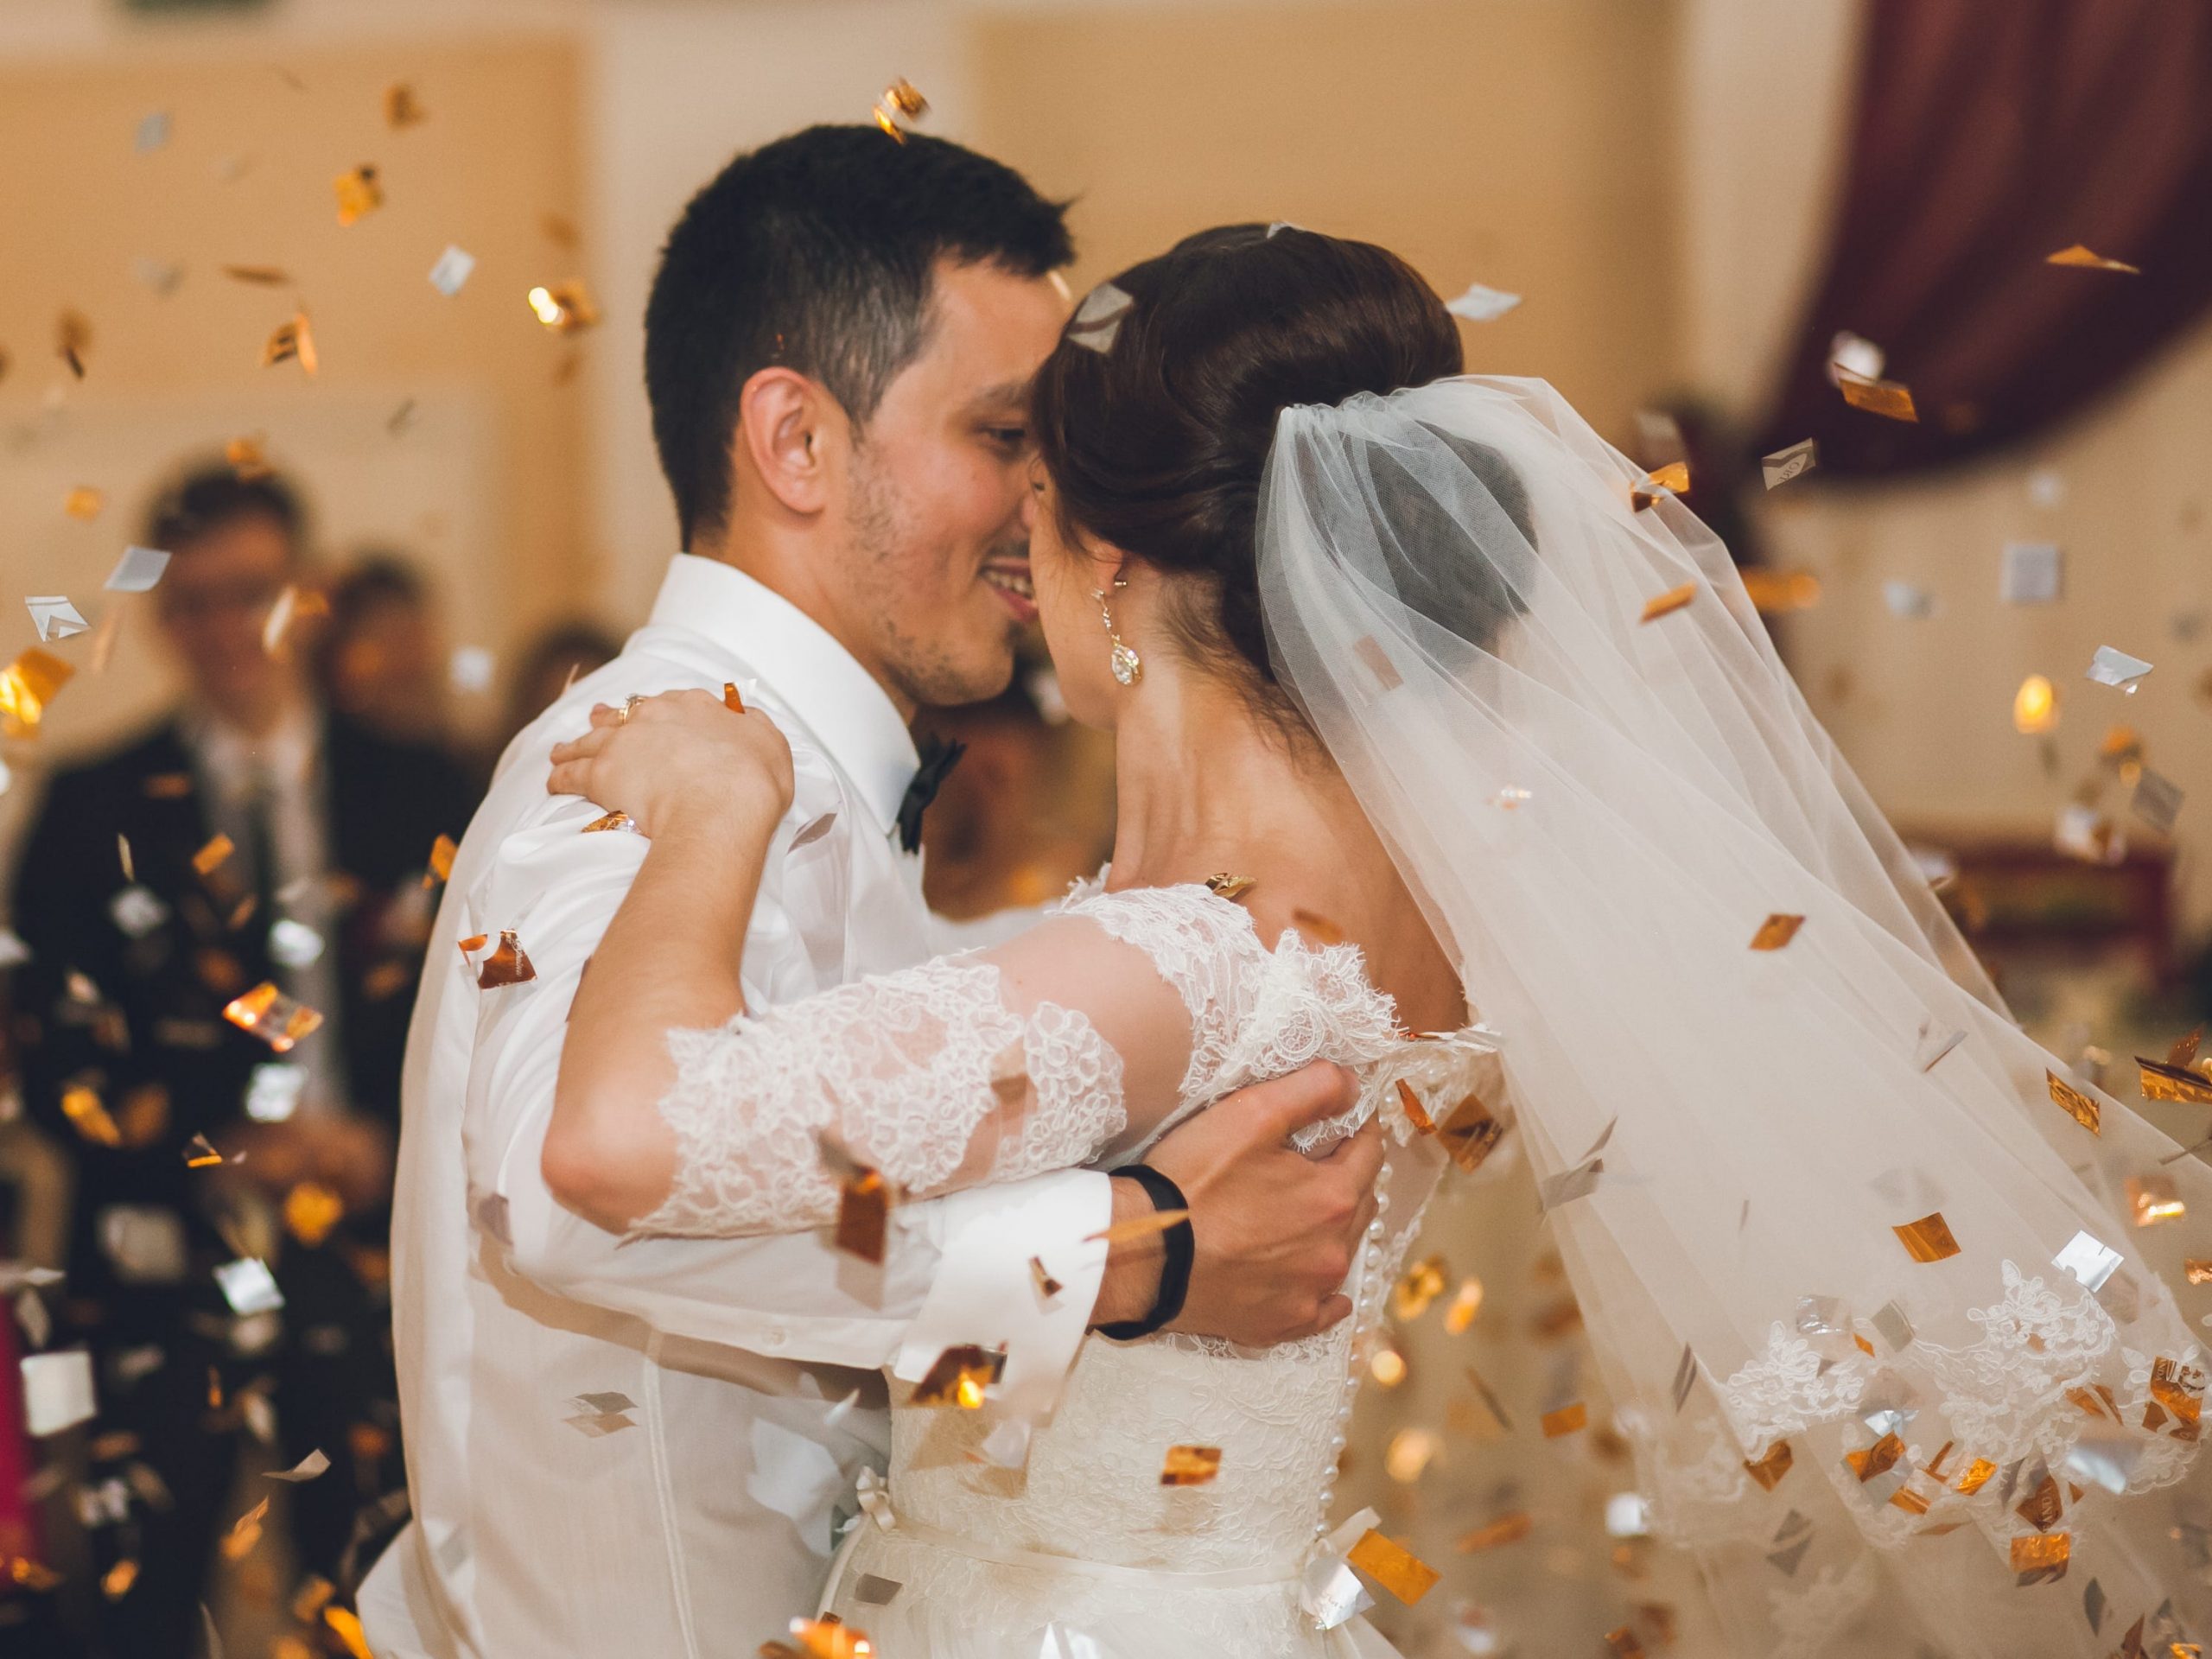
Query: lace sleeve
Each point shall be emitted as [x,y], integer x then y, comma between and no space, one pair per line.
[1040,1054]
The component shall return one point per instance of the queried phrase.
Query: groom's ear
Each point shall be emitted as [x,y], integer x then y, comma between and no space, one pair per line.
[787,426]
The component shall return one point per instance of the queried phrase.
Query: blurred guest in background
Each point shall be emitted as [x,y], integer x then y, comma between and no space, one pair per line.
[1028,810]
[567,651]
[381,661]
[254,845]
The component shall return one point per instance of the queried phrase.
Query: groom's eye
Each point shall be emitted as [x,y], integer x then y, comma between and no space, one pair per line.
[1009,438]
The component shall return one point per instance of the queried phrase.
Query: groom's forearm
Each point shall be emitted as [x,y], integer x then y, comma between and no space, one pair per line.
[1131,1286]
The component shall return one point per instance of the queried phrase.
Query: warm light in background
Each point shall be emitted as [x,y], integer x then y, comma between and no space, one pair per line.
[2035,706]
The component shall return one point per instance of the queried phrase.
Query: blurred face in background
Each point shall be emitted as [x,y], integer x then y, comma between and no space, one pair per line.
[212,603]
[387,668]
[937,500]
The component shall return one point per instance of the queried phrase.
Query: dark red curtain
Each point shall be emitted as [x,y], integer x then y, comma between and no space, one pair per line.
[1990,134]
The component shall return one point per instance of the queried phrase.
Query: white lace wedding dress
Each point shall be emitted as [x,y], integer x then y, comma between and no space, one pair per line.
[1082,1551]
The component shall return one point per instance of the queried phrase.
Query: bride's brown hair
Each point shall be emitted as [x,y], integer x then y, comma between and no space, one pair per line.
[1157,443]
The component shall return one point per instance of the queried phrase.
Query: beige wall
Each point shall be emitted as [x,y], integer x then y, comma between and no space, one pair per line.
[1522,143]
[484,488]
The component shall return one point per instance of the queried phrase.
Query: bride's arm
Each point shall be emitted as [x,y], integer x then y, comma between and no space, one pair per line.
[672,1116]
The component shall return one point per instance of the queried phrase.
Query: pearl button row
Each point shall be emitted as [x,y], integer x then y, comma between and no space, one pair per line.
[1366,1313]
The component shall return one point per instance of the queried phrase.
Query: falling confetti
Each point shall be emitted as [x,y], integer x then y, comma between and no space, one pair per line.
[278,1020]
[84,503]
[293,340]
[508,964]
[1892,399]
[1394,1566]
[2110,667]
[1928,1239]
[565,308]
[359,194]
[958,1376]
[137,570]
[1481,304]
[1668,603]
[2030,574]
[900,102]
[1794,463]
[452,271]
[402,108]
[28,686]
[2080,259]
[1190,1466]
[54,617]
[1777,931]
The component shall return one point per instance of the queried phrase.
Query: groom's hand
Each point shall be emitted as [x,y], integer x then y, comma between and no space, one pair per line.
[1276,1231]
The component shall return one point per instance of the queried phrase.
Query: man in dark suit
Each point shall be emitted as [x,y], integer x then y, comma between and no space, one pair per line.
[179,896]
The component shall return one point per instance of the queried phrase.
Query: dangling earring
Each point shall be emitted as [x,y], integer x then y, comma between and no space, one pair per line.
[1128,667]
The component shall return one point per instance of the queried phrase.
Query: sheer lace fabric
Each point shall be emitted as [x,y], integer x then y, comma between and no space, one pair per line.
[965,1536]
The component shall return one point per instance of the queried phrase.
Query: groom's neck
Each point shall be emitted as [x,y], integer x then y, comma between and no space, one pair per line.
[797,573]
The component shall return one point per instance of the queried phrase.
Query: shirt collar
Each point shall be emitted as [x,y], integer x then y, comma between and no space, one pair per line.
[839,699]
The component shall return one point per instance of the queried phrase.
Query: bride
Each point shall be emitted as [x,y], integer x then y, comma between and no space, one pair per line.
[1425,702]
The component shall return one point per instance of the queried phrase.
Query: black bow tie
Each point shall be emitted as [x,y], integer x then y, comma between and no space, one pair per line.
[938,757]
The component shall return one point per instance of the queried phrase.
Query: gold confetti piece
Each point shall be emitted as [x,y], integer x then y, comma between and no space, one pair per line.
[900,101]
[81,1105]
[828,1637]
[1318,928]
[2151,1199]
[313,1596]
[731,698]
[1138,1227]
[244,1533]
[2183,1052]
[116,1582]
[1928,1239]
[209,856]
[1463,1307]
[441,855]
[1190,1466]
[2177,1388]
[1891,399]
[2082,1109]
[1416,1114]
[2040,1558]
[1047,1287]
[508,964]
[247,457]
[1421,1284]
[1668,602]
[1672,478]
[311,1210]
[200,1154]
[1369,651]
[1409,1454]
[1225,885]
[1470,1134]
[1493,1420]
[315,1464]
[27,686]
[1875,1459]
[402,108]
[565,308]
[2176,1083]
[864,1200]
[474,943]
[1624,1643]
[1777,931]
[1397,1569]
[292,340]
[2035,705]
[1564,1420]
[958,1376]
[359,194]
[1508,1529]
[73,340]
[268,1013]
[2042,1506]
[2080,259]
[1774,593]
[84,502]
[617,819]
[1976,1476]
[258,276]
[346,1626]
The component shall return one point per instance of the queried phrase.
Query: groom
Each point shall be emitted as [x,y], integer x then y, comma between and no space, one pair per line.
[635,1448]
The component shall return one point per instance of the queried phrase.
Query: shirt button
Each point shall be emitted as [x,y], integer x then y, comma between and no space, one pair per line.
[773,1337]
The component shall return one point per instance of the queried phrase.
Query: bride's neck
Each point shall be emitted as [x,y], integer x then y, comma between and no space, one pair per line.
[1204,781]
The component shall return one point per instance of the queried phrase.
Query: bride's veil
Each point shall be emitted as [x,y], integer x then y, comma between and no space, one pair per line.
[1823,1196]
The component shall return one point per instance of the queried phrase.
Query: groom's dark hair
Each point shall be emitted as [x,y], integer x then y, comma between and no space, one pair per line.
[816,252]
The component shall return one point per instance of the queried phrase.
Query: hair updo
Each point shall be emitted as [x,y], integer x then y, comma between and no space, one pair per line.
[1157,443]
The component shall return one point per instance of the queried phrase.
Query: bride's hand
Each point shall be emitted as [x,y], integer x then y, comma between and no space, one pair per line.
[678,760]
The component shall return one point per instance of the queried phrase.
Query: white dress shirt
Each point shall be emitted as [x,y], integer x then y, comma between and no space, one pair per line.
[696,1521]
[284,767]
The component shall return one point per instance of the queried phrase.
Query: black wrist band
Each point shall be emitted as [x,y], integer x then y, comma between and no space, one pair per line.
[1182,1248]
